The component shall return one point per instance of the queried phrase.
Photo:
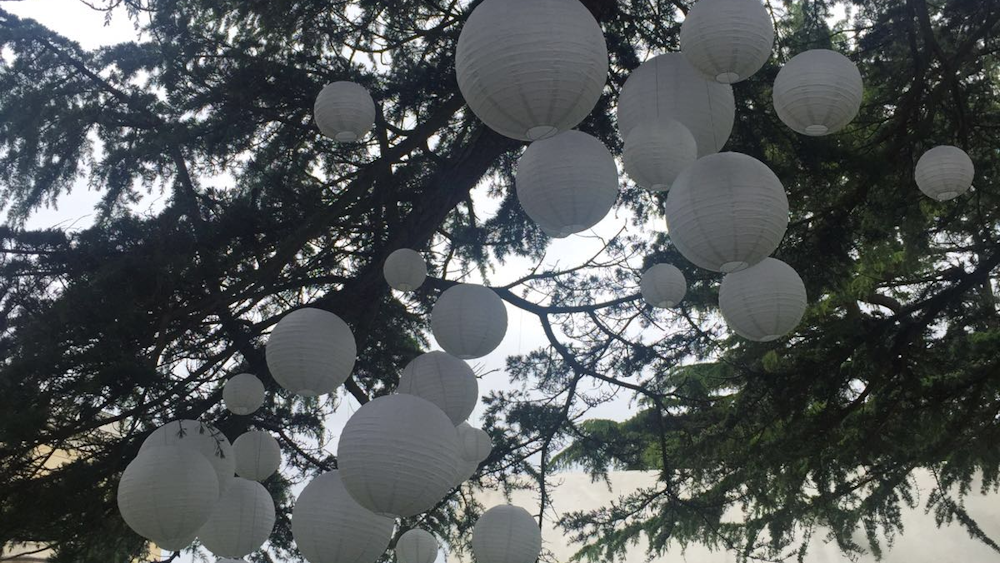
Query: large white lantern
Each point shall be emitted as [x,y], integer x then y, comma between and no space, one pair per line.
[474,443]
[506,534]
[257,455]
[200,437]
[243,394]
[416,546]
[818,92]
[344,111]
[311,352]
[397,455]
[763,302]
[443,380]
[726,212]
[531,68]
[657,152]
[469,320]
[568,183]
[241,522]
[727,40]
[329,526]
[668,86]
[663,285]
[405,269]
[944,172]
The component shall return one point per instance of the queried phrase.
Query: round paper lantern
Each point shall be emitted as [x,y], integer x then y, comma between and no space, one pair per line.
[568,183]
[663,285]
[474,443]
[944,172]
[443,380]
[506,534]
[200,437]
[657,151]
[726,212]
[344,111]
[416,546]
[167,493]
[311,352]
[727,40]
[818,92]
[257,455]
[241,522]
[243,394]
[405,269]
[531,68]
[469,320]
[763,302]
[668,86]
[396,455]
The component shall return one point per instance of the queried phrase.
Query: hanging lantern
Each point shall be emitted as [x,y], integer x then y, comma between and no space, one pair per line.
[344,111]
[474,443]
[329,526]
[405,269]
[818,92]
[506,534]
[568,183]
[530,69]
[243,394]
[727,40]
[668,86]
[469,320]
[241,522]
[663,285]
[763,302]
[311,352]
[657,151]
[416,546]
[396,455]
[257,455]
[444,380]
[199,437]
[726,212]
[944,172]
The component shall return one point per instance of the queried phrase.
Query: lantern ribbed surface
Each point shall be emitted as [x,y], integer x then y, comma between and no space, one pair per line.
[344,111]
[257,455]
[444,380]
[241,522]
[657,152]
[474,443]
[311,352]
[663,285]
[329,526]
[668,86]
[203,438]
[726,212]
[818,92]
[944,172]
[405,269]
[727,40]
[506,534]
[469,320]
[397,455]
[530,69]
[416,546]
[568,183]
[763,302]
[243,394]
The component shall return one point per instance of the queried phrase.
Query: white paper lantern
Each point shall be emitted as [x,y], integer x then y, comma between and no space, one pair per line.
[344,111]
[241,522]
[469,320]
[257,455]
[663,285]
[727,40]
[668,86]
[329,526]
[530,69]
[506,534]
[243,394]
[405,269]
[416,546]
[444,380]
[167,493]
[311,352]
[944,172]
[726,212]
[474,443]
[763,302]
[200,437]
[397,455]
[657,152]
[818,92]
[568,183]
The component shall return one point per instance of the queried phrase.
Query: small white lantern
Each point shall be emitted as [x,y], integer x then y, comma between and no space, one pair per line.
[663,285]
[530,69]
[726,212]
[444,380]
[568,183]
[657,151]
[257,455]
[763,302]
[329,526]
[405,269]
[311,352]
[416,546]
[200,437]
[474,443]
[727,40]
[818,92]
[243,394]
[506,534]
[668,86]
[241,522]
[944,172]
[469,320]
[397,455]
[344,111]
